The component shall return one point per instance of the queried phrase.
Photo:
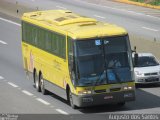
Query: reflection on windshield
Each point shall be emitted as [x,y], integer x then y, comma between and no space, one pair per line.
[117,60]
[146,61]
[92,79]
[118,75]
[118,69]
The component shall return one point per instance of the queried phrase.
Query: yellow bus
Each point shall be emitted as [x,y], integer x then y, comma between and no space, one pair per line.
[85,61]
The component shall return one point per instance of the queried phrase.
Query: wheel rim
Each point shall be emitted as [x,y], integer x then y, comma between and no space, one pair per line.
[70,99]
[37,83]
[42,84]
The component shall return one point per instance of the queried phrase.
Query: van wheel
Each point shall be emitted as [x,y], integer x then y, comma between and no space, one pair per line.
[43,90]
[70,99]
[37,83]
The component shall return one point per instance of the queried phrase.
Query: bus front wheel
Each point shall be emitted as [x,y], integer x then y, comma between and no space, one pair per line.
[70,99]
[121,104]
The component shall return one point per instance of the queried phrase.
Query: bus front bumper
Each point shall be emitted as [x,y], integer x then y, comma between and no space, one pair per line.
[103,98]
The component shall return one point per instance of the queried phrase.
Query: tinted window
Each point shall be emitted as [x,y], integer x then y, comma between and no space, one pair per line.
[146,61]
[88,47]
[44,39]
[115,44]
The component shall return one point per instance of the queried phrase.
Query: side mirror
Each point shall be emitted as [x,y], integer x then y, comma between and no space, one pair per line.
[135,49]
[135,59]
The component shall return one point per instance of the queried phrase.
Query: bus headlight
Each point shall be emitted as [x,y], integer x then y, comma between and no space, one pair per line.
[84,92]
[125,88]
[128,88]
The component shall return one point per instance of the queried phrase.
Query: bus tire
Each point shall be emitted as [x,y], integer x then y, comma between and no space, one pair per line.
[34,74]
[37,83]
[70,99]
[121,104]
[42,86]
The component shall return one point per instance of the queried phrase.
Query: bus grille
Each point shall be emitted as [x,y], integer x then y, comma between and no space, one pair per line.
[115,89]
[100,91]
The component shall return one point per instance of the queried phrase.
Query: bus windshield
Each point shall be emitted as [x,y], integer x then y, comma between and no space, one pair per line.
[103,61]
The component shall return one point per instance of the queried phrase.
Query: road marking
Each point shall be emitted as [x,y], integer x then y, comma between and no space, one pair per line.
[118,9]
[12,84]
[43,101]
[9,21]
[99,16]
[61,7]
[61,111]
[27,93]
[52,106]
[150,29]
[1,78]
[2,42]
[153,17]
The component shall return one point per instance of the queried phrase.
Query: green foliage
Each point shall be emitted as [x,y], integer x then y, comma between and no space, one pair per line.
[152,2]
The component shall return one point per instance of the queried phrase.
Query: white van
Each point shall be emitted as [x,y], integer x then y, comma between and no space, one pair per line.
[147,69]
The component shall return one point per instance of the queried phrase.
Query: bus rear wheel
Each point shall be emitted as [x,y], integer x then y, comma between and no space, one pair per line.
[43,90]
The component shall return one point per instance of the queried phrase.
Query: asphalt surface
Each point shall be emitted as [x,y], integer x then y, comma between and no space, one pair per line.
[137,20]
[18,94]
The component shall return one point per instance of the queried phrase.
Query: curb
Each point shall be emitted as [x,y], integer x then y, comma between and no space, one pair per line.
[138,4]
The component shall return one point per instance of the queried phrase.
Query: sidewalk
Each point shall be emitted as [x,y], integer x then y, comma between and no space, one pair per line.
[139,4]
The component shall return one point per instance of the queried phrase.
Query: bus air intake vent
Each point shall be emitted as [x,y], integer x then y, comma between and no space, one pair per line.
[100,91]
[115,89]
[60,19]
[34,15]
[71,16]
[68,12]
[88,24]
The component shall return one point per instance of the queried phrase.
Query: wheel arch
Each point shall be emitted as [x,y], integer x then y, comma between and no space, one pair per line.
[67,91]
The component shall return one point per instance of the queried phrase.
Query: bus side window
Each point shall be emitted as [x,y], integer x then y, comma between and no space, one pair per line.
[48,41]
[71,61]
[70,52]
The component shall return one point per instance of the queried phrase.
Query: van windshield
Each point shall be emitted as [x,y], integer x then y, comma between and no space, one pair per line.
[145,61]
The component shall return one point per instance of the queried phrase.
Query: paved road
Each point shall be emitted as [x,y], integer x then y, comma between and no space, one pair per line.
[18,94]
[137,20]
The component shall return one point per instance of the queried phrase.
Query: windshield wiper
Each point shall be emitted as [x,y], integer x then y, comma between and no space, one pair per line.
[99,78]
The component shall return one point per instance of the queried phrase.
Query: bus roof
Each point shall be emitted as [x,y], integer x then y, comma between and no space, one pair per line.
[74,25]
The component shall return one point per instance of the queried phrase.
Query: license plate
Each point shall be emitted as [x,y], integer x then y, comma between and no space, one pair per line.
[108,97]
[152,79]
